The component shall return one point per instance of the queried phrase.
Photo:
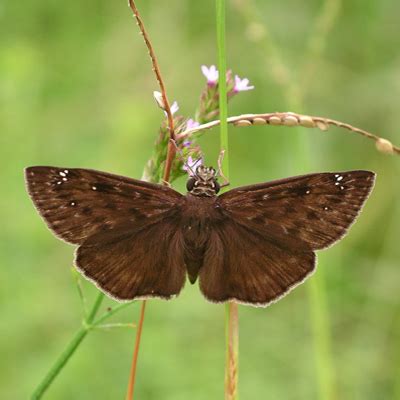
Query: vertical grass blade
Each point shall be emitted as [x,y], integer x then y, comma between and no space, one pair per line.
[231,309]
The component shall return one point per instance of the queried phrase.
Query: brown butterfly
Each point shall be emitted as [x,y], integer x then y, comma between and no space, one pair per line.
[251,244]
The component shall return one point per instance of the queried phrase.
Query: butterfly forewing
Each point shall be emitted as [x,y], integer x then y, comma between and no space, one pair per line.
[126,228]
[305,212]
[78,204]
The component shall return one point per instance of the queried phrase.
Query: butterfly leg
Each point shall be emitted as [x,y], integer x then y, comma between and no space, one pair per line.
[219,172]
[166,183]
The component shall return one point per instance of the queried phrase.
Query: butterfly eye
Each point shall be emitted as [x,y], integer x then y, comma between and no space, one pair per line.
[217,186]
[190,184]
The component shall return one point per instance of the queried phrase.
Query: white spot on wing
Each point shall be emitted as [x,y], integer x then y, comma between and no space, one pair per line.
[94,188]
[62,173]
[59,183]
[308,192]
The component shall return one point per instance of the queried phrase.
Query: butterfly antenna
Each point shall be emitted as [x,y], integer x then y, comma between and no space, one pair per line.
[182,157]
[219,171]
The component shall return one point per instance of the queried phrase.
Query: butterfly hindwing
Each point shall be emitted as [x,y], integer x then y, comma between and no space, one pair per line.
[241,265]
[146,264]
[305,212]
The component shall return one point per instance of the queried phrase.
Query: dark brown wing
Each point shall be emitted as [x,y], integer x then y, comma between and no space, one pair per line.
[263,246]
[241,265]
[80,204]
[143,265]
[305,212]
[127,229]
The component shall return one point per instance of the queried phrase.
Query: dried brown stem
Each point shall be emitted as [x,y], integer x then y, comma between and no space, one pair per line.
[231,372]
[132,375]
[168,165]
[156,68]
[293,119]
[168,162]
[166,106]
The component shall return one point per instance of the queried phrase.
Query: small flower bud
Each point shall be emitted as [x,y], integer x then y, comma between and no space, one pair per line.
[159,99]
[174,107]
[242,85]
[211,73]
[384,146]
[160,102]
[191,123]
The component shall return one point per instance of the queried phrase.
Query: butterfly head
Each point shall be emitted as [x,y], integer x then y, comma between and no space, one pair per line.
[203,182]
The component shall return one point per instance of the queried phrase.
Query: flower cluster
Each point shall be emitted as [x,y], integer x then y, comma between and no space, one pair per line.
[209,99]
[212,74]
[207,111]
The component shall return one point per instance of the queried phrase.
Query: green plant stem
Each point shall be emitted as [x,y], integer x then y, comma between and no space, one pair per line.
[69,350]
[113,311]
[95,308]
[223,105]
[231,309]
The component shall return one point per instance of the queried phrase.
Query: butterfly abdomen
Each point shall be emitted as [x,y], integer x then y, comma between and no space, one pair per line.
[199,215]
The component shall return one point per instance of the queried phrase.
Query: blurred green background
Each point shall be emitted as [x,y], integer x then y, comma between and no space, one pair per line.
[76,90]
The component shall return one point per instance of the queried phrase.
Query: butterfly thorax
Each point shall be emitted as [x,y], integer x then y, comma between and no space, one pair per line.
[199,216]
[203,183]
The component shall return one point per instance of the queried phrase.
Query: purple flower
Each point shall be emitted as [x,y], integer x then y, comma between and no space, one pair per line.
[191,165]
[186,143]
[191,123]
[211,73]
[241,85]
